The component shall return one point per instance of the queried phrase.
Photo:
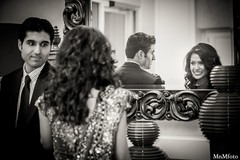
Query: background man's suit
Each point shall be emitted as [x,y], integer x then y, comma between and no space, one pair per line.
[131,74]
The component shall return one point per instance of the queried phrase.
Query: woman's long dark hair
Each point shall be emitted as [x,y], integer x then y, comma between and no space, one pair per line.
[83,62]
[209,57]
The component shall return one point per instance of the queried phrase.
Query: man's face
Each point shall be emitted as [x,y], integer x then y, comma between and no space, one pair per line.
[35,49]
[148,58]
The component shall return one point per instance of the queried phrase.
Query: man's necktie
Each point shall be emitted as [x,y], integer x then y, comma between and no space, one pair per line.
[24,104]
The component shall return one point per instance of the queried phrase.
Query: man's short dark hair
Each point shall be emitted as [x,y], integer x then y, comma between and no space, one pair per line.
[35,24]
[139,41]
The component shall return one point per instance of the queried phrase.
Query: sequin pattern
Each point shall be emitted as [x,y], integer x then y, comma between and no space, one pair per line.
[94,140]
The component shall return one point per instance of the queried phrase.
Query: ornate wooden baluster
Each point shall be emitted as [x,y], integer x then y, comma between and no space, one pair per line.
[157,105]
[219,115]
[54,49]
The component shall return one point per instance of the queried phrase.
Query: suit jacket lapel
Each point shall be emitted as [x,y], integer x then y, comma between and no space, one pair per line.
[38,90]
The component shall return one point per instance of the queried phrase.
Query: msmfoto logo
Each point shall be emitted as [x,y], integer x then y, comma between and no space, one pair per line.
[224,156]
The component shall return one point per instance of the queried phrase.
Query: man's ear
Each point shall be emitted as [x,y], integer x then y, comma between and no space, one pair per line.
[19,45]
[140,54]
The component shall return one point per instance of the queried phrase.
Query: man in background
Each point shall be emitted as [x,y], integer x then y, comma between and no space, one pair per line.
[140,55]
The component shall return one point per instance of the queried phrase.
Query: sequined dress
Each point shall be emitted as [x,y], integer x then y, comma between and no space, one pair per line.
[95,139]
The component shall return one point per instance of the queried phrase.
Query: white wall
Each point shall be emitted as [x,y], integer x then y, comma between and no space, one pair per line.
[146,17]
[175,33]
[183,140]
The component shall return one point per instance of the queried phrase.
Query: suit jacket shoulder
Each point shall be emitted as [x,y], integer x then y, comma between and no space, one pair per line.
[132,74]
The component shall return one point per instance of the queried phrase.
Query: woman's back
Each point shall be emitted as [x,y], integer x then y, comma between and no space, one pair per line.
[97,137]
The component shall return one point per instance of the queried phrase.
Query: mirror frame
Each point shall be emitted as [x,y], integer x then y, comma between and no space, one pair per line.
[161,104]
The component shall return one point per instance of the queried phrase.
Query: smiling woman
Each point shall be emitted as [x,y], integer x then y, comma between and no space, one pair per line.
[200,60]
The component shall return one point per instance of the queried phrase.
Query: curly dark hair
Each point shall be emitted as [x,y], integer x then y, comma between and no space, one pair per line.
[83,62]
[209,57]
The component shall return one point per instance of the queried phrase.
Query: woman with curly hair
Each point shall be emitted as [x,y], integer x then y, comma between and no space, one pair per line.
[200,60]
[83,104]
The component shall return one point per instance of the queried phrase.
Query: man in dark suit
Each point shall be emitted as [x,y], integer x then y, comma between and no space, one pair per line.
[21,132]
[140,54]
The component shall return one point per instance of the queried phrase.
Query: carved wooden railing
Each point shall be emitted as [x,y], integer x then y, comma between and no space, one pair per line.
[149,105]
[180,105]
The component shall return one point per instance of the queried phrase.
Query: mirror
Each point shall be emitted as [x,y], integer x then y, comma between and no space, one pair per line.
[177,26]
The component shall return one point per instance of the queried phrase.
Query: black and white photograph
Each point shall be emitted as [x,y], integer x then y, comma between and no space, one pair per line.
[120,79]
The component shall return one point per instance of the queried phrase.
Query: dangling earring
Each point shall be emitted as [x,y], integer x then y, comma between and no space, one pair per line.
[197,84]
